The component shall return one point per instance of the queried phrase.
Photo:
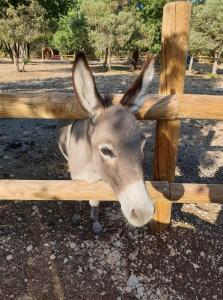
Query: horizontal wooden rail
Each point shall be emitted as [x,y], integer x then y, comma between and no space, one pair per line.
[72,190]
[156,107]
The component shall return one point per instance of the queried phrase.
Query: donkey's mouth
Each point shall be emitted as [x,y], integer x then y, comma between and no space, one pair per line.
[136,204]
[138,218]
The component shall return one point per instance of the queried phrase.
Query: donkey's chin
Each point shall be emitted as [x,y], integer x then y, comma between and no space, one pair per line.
[136,205]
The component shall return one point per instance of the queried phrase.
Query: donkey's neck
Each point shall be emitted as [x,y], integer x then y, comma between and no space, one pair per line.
[80,159]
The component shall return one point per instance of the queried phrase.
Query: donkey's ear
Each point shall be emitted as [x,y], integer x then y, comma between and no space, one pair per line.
[135,95]
[84,85]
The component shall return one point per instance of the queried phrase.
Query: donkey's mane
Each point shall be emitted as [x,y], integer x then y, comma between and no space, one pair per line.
[106,100]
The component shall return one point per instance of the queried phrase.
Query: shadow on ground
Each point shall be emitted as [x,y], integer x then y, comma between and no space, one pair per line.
[43,256]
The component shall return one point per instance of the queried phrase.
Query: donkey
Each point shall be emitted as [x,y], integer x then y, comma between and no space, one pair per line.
[109,144]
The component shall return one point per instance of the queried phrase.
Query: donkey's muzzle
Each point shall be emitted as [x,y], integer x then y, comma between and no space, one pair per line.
[136,204]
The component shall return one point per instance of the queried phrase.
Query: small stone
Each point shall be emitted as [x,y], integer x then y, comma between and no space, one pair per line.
[52,256]
[128,289]
[163,297]
[140,291]
[172,252]
[6,157]
[113,258]
[220,270]
[202,254]
[19,219]
[150,266]
[133,255]
[29,248]
[100,272]
[26,132]
[65,260]
[132,281]
[195,266]
[158,292]
[72,245]
[80,270]
[106,251]
[9,257]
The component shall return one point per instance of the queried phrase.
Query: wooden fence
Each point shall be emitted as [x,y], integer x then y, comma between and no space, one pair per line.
[168,108]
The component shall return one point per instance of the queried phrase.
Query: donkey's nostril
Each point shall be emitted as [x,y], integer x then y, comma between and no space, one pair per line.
[133,213]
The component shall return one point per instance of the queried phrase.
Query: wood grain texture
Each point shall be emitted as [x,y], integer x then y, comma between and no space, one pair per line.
[69,190]
[175,33]
[74,190]
[156,107]
[201,107]
[196,193]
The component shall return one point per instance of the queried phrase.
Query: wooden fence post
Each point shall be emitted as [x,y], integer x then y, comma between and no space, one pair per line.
[175,32]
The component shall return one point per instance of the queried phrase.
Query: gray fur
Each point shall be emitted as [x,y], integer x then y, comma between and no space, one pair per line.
[114,129]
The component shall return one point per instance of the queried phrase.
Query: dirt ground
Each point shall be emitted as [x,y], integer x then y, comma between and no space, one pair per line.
[44,257]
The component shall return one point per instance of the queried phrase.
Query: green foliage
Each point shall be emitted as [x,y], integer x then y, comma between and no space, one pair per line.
[207,23]
[151,20]
[23,24]
[54,8]
[119,25]
[72,33]
[57,8]
[198,43]
[110,26]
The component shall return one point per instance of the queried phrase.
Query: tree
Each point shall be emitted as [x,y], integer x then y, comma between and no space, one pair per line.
[151,22]
[198,45]
[114,25]
[19,27]
[207,21]
[72,33]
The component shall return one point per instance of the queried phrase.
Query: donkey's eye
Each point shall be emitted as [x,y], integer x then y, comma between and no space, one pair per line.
[107,152]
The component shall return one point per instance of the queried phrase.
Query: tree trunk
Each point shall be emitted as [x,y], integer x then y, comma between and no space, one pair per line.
[28,51]
[109,60]
[101,56]
[191,64]
[215,64]
[106,59]
[22,51]
[135,58]
[9,50]
[118,56]
[15,56]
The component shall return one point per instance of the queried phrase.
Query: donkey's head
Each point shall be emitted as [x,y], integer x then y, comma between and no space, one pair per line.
[116,140]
